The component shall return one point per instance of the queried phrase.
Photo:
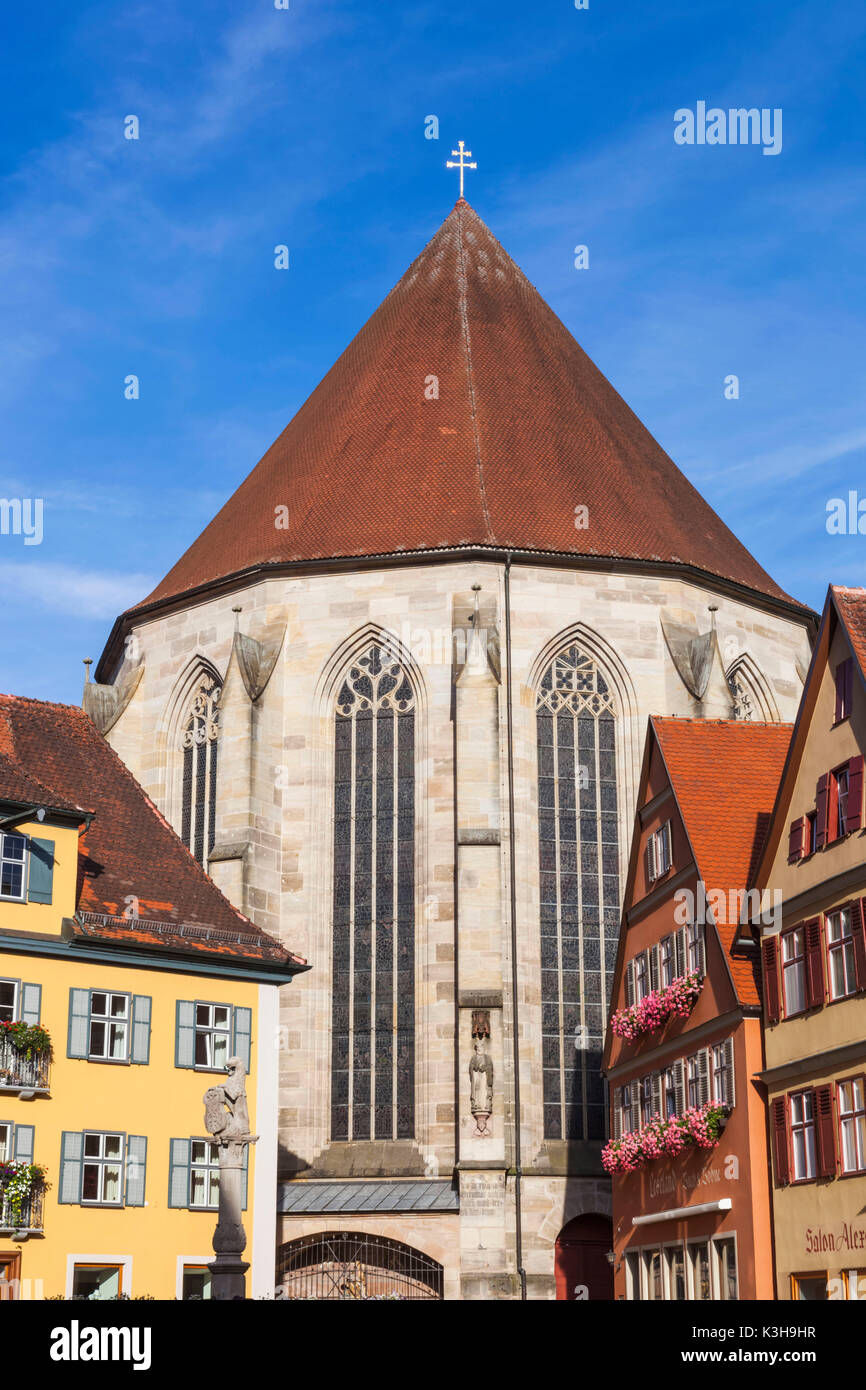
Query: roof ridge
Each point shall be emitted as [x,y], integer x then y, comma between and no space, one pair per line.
[462,298]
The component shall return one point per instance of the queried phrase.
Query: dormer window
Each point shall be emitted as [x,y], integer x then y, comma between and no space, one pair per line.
[658,853]
[13,860]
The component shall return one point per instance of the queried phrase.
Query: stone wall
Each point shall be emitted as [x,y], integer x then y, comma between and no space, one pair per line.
[275,815]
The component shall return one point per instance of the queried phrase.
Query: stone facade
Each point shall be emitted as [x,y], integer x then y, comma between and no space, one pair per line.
[273,852]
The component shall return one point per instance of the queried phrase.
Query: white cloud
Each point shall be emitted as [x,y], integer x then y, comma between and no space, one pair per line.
[76,592]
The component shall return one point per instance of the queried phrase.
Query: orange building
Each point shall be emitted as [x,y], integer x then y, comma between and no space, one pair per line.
[688,1153]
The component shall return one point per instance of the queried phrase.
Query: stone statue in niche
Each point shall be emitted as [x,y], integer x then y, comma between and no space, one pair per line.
[481,1088]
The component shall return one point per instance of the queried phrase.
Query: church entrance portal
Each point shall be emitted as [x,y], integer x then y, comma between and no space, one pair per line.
[582,1268]
[346,1265]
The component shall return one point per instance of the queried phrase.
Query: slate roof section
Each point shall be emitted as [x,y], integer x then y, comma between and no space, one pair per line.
[525,428]
[725,774]
[129,850]
[335,1198]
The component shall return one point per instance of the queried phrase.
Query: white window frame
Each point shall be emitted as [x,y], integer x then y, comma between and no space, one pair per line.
[841,948]
[795,963]
[102,1162]
[124,1261]
[209,1031]
[696,1079]
[7,1143]
[646,1255]
[207,1166]
[842,775]
[641,961]
[669,1092]
[633,1266]
[850,1116]
[667,966]
[16,997]
[807,1124]
[9,859]
[692,1247]
[645,1098]
[721,1069]
[716,1242]
[626,1110]
[660,852]
[110,1022]
[695,961]
[668,1251]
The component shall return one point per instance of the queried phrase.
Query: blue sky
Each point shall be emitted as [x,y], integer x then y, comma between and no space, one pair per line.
[306,127]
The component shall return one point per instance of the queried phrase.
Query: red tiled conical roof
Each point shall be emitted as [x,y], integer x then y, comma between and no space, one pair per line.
[524,429]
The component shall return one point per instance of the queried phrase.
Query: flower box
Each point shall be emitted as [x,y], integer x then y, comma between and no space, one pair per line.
[699,1127]
[675,1000]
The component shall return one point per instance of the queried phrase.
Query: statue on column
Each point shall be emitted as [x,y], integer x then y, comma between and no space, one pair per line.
[227,1120]
[481,1075]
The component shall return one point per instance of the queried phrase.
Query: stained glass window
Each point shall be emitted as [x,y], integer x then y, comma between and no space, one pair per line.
[373,1011]
[579,872]
[199,735]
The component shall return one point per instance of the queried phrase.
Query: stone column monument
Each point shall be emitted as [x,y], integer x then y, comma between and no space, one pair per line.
[227,1119]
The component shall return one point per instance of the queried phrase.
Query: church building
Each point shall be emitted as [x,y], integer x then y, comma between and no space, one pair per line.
[394,699]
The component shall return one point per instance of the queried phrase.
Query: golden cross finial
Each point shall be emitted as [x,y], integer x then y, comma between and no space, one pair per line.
[461,165]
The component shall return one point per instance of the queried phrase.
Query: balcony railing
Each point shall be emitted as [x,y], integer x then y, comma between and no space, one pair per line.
[21,1073]
[25,1217]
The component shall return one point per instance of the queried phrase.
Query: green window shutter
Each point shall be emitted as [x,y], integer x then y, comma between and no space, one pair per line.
[184,1041]
[243,1027]
[31,1003]
[136,1167]
[24,1138]
[178,1173]
[71,1148]
[246,1171]
[41,871]
[141,1009]
[78,1036]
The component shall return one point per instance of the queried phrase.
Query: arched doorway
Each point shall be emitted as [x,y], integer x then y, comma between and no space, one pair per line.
[582,1268]
[348,1265]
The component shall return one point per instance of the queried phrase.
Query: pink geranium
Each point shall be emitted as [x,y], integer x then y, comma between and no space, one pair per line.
[675,1000]
[698,1127]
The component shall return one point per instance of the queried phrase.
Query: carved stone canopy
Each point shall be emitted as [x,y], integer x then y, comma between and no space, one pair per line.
[106,703]
[481,1023]
[692,653]
[257,656]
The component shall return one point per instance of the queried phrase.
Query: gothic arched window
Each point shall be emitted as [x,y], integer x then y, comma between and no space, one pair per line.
[373,1040]
[751,696]
[198,740]
[579,872]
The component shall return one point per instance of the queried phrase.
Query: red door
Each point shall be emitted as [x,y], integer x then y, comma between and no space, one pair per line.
[582,1268]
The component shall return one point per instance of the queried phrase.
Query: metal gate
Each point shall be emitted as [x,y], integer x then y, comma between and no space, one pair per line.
[346,1265]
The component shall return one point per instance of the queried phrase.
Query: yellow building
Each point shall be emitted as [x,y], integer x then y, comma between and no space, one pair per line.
[814,963]
[126,982]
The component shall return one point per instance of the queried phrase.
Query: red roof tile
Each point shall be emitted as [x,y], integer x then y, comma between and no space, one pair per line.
[129,850]
[525,428]
[851,605]
[725,774]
